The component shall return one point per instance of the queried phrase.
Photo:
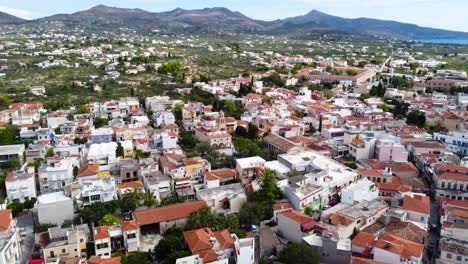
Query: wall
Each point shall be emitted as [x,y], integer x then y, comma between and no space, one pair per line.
[55,213]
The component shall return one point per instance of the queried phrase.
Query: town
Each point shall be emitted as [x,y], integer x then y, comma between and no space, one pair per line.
[128,148]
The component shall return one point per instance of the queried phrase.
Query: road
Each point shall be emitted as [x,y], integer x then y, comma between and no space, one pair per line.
[431,250]
[26,221]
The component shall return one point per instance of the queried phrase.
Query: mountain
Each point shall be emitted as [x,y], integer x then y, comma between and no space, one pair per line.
[223,20]
[104,17]
[9,19]
[376,27]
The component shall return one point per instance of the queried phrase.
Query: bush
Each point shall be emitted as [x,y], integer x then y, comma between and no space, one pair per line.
[16,208]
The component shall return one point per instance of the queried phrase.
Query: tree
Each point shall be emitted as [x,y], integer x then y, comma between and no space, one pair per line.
[119,151]
[108,220]
[138,257]
[95,212]
[308,211]
[417,118]
[252,131]
[171,245]
[241,131]
[100,122]
[351,164]
[11,164]
[50,152]
[298,253]
[29,204]
[75,171]
[9,134]
[16,208]
[204,217]
[131,201]
[320,124]
[251,213]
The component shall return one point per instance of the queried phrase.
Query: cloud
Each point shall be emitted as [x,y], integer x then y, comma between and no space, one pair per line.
[17,12]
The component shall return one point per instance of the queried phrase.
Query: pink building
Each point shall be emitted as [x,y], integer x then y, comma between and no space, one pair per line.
[391,151]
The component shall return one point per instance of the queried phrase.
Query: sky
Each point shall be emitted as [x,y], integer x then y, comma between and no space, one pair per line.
[444,14]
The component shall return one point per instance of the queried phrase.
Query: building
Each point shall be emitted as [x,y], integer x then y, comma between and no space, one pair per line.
[55,175]
[330,248]
[248,168]
[59,243]
[157,184]
[101,135]
[362,149]
[451,181]
[456,142]
[227,198]
[94,185]
[418,208]
[54,208]
[362,190]
[103,153]
[343,219]
[11,152]
[440,84]
[321,171]
[124,237]
[163,118]
[160,219]
[391,151]
[21,185]
[218,247]
[394,249]
[292,225]
[10,241]
[301,193]
[453,251]
[165,140]
[213,132]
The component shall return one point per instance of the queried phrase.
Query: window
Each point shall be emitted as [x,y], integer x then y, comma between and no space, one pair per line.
[422,218]
[130,236]
[449,256]
[64,251]
[459,258]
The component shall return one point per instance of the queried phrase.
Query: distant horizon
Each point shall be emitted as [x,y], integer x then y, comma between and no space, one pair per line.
[440,14]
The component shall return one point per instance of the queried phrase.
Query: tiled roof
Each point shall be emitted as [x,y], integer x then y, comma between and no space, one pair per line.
[364,240]
[132,184]
[98,260]
[400,246]
[88,170]
[101,232]
[5,219]
[300,218]
[456,176]
[224,239]
[417,203]
[198,239]
[129,225]
[167,213]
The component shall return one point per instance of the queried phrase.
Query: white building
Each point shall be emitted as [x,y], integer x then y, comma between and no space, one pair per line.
[362,190]
[21,185]
[10,241]
[225,198]
[163,117]
[55,174]
[165,140]
[456,142]
[301,193]
[54,208]
[103,153]
[125,235]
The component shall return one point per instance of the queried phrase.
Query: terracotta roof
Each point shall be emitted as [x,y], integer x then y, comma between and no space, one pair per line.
[417,203]
[407,230]
[167,213]
[397,245]
[300,218]
[5,219]
[198,239]
[337,219]
[394,187]
[132,184]
[375,172]
[220,174]
[457,203]
[101,232]
[456,176]
[450,167]
[189,162]
[88,170]
[282,206]
[224,239]
[364,240]
[129,225]
[98,260]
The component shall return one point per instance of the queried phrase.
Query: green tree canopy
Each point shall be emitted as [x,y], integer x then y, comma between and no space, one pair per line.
[108,220]
[298,253]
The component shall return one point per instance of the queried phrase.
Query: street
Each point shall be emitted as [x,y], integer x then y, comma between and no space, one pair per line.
[26,221]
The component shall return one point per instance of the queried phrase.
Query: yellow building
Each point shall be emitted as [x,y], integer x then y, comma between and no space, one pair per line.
[60,243]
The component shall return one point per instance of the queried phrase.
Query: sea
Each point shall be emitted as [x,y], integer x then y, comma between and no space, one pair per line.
[444,41]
